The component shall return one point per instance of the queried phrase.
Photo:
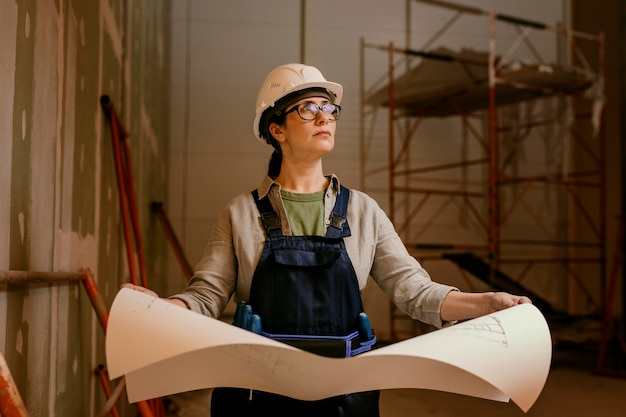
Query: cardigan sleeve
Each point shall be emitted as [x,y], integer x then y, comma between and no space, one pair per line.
[401,277]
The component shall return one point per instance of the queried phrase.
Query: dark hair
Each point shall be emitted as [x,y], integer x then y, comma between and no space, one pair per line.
[276,160]
[271,115]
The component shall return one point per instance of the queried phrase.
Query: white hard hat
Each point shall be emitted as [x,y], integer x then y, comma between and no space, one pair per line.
[288,79]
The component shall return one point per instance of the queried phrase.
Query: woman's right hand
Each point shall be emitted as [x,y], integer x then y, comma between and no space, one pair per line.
[140,289]
[175,301]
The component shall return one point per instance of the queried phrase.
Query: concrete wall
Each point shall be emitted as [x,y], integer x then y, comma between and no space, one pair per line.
[59,209]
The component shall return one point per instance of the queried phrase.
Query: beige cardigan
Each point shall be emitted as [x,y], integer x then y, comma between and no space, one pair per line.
[375,249]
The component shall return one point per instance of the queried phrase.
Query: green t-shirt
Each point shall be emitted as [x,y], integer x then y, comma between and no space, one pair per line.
[305,212]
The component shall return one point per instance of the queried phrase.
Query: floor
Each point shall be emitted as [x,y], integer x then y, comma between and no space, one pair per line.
[568,393]
[573,389]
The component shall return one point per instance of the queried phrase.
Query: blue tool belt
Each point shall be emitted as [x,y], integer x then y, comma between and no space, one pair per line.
[329,346]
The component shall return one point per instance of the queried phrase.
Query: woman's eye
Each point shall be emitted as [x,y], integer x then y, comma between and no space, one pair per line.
[310,107]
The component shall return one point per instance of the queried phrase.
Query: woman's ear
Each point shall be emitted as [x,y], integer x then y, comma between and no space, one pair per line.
[277,132]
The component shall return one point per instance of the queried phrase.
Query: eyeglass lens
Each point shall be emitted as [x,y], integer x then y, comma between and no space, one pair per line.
[309,111]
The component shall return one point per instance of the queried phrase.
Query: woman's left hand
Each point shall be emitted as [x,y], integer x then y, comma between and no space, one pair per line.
[502,300]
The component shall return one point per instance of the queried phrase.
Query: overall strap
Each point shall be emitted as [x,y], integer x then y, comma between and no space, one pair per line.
[269,217]
[339,226]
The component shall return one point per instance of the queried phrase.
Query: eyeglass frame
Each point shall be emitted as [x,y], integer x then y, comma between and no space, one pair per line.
[296,108]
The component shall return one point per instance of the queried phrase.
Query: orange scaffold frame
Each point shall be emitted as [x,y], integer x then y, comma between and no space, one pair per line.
[387,92]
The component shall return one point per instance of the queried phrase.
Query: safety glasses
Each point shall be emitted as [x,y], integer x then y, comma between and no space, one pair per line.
[308,111]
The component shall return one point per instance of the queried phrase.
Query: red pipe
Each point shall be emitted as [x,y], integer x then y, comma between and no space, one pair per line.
[85,276]
[132,203]
[130,216]
[115,395]
[104,380]
[96,298]
[144,409]
[109,110]
[11,404]
[157,207]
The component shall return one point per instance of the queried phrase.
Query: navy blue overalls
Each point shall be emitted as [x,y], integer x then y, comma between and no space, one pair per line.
[304,288]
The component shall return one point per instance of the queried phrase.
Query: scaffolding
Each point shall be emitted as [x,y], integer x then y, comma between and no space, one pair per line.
[517,198]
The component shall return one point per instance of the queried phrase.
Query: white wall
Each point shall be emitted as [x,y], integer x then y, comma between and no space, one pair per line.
[222,52]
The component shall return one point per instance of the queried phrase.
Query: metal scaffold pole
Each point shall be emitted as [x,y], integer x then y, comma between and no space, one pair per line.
[528,220]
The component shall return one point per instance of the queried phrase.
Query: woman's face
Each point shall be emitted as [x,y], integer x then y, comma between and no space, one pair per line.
[306,138]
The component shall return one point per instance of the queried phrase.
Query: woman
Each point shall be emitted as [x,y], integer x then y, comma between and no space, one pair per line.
[298,251]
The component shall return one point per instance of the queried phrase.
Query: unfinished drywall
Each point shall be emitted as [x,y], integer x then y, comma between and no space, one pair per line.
[60,206]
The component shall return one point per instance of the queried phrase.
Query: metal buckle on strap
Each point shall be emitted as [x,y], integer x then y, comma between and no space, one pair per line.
[337,221]
[270,221]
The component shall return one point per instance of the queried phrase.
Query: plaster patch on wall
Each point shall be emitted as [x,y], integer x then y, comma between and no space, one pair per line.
[59,349]
[75,366]
[110,27]
[81,29]
[71,252]
[36,332]
[44,136]
[55,349]
[59,124]
[20,221]
[23,124]
[8,31]
[74,253]
[19,342]
[65,176]
[27,25]
[148,131]
[108,238]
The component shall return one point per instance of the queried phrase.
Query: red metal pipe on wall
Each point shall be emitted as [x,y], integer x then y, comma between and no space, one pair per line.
[104,380]
[157,207]
[109,110]
[11,404]
[130,216]
[132,202]
[85,276]
[8,398]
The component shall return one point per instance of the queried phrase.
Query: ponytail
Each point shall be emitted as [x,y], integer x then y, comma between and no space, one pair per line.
[276,161]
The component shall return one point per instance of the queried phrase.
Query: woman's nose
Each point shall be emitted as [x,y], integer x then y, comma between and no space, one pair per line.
[322,117]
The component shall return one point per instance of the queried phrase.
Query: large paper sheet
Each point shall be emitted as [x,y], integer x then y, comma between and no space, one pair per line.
[163,349]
